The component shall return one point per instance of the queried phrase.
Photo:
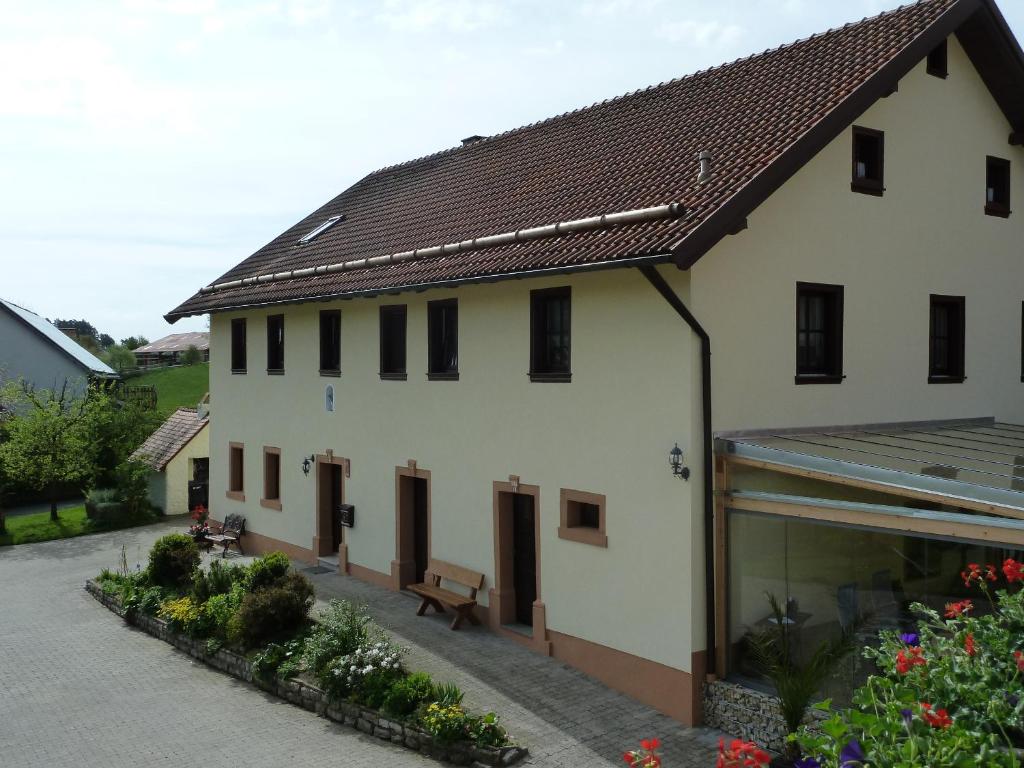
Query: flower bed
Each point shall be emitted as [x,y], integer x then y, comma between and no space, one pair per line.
[252,622]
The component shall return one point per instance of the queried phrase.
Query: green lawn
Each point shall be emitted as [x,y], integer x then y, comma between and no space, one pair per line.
[176,387]
[25,529]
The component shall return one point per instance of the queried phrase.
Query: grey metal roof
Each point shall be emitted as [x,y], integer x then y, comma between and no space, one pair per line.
[178,342]
[59,339]
[980,462]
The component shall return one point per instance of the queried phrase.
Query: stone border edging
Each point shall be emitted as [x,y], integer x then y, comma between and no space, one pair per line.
[309,697]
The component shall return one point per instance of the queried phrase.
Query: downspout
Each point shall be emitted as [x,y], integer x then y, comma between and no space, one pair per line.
[662,287]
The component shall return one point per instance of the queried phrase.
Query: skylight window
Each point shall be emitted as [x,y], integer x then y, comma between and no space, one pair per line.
[320,229]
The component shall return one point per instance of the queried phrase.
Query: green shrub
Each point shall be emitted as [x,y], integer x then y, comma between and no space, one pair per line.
[181,614]
[485,731]
[374,688]
[447,694]
[172,560]
[218,580]
[131,481]
[272,611]
[407,694]
[216,613]
[342,628]
[267,570]
[98,496]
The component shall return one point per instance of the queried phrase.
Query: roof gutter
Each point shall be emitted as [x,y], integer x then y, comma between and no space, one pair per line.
[636,261]
[669,211]
[707,451]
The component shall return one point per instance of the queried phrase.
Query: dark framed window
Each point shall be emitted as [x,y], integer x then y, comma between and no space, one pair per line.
[238,345]
[443,339]
[330,342]
[271,478]
[997,187]
[236,471]
[551,334]
[938,61]
[819,333]
[392,342]
[946,333]
[868,161]
[583,517]
[275,344]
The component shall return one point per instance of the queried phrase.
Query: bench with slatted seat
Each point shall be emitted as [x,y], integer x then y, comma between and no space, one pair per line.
[435,595]
[230,532]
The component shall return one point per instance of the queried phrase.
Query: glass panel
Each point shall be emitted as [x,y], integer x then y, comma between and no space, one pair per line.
[831,578]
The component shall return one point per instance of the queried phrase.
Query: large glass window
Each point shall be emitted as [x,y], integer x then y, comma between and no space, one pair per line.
[830,578]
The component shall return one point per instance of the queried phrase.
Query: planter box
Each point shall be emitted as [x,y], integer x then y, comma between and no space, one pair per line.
[310,697]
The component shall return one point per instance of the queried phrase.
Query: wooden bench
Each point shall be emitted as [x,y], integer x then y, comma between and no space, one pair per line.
[435,595]
[231,532]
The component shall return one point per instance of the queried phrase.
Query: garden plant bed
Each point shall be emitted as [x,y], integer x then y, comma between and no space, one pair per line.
[312,698]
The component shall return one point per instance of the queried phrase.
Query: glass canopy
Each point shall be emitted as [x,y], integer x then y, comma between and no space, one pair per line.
[978,463]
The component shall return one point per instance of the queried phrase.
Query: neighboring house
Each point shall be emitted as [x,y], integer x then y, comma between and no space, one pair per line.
[179,455]
[169,349]
[35,351]
[491,351]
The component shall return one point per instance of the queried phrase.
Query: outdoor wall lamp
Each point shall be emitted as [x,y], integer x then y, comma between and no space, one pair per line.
[675,460]
[307,463]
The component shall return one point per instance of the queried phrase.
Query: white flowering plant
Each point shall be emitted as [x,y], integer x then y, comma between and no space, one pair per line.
[367,673]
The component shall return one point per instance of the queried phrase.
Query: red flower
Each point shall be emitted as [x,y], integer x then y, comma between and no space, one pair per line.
[958,609]
[1019,657]
[908,658]
[969,644]
[741,754]
[650,744]
[938,718]
[974,573]
[1013,570]
[645,756]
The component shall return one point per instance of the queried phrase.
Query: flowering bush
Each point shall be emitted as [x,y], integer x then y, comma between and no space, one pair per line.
[447,724]
[741,754]
[646,756]
[182,614]
[367,673]
[950,694]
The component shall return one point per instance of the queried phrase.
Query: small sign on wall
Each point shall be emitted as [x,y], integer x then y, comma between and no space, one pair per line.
[347,512]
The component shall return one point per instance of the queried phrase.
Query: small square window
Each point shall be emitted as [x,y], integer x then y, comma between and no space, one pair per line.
[330,342]
[868,161]
[946,340]
[392,342]
[443,340]
[583,518]
[238,345]
[550,334]
[271,478]
[275,344]
[236,471]
[997,187]
[819,333]
[938,61]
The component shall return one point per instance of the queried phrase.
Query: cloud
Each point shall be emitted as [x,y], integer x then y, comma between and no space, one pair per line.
[703,34]
[545,51]
[598,8]
[453,15]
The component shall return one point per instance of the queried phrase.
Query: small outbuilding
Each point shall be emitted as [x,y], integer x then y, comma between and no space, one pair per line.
[170,349]
[179,455]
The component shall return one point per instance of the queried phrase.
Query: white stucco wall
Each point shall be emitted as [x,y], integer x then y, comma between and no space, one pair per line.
[634,368]
[928,234]
[25,355]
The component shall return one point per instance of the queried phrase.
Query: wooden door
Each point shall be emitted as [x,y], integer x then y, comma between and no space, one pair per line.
[420,526]
[524,557]
[335,491]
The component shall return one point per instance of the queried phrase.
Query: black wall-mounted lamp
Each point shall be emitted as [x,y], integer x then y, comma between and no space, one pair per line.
[675,460]
[307,463]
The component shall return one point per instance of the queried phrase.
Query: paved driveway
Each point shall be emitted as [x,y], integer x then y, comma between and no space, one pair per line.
[79,688]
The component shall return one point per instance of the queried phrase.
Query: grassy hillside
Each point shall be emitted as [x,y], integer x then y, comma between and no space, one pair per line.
[177,387]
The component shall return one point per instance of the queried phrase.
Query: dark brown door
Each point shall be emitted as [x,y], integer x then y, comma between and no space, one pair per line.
[335,479]
[419,526]
[524,557]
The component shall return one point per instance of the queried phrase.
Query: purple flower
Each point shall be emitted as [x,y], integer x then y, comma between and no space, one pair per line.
[908,716]
[807,762]
[910,638]
[1012,699]
[852,755]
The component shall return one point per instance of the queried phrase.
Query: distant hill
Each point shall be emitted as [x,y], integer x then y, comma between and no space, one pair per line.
[177,387]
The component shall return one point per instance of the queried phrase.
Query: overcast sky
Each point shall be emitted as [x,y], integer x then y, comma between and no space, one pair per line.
[146,146]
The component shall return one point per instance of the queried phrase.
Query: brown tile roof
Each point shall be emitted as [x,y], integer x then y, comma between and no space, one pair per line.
[761,118]
[173,435]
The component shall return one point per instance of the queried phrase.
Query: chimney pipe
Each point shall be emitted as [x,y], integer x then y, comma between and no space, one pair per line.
[705,166]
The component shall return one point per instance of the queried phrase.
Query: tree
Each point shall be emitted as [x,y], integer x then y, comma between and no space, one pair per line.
[192,355]
[119,358]
[106,340]
[6,396]
[84,327]
[48,442]
[116,428]
[134,342]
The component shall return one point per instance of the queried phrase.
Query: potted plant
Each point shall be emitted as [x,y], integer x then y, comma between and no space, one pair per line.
[796,682]
[199,529]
